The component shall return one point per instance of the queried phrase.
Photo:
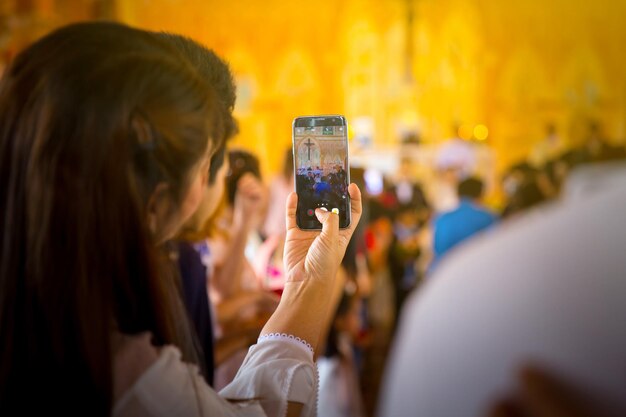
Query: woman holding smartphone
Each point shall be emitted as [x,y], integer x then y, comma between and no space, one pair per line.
[106,136]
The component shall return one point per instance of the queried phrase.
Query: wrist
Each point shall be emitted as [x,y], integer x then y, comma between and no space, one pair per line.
[302,310]
[284,337]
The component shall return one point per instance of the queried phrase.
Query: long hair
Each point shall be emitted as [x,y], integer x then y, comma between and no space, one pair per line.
[92,117]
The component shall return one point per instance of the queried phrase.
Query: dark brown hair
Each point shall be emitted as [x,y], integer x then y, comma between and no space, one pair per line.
[215,72]
[240,163]
[92,117]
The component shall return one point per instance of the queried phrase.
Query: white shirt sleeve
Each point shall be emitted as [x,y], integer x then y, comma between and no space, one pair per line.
[277,370]
[274,373]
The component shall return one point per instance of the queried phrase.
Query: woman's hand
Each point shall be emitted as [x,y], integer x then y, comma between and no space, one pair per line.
[311,260]
[313,254]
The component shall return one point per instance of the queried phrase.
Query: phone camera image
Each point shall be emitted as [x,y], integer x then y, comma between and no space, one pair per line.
[320,147]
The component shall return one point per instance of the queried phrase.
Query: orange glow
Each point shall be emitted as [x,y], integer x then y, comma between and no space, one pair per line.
[512,66]
[465,131]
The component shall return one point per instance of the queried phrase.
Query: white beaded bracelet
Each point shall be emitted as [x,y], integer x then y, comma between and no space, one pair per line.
[287,338]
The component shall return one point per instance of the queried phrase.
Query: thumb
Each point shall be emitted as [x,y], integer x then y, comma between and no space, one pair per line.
[291,207]
[330,225]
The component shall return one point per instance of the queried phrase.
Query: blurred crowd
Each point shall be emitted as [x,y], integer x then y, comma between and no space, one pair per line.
[400,241]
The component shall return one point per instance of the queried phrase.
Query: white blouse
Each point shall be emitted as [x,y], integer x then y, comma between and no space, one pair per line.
[277,370]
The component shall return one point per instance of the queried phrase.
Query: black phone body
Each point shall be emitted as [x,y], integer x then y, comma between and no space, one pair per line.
[321,168]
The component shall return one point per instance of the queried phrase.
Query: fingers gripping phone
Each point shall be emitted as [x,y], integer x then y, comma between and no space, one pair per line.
[321,170]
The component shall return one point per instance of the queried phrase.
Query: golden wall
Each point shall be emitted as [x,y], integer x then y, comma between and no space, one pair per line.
[409,65]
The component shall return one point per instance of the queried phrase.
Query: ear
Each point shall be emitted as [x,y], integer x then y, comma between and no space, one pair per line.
[157,209]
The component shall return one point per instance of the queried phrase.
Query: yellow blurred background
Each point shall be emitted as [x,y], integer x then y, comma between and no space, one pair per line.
[498,71]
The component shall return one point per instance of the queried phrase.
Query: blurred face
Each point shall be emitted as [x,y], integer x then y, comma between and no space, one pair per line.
[212,194]
[194,196]
[166,216]
[405,169]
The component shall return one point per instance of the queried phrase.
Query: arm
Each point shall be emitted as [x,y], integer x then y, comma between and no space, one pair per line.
[312,260]
[248,203]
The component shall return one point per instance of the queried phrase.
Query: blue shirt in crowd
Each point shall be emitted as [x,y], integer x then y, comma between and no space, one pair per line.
[453,227]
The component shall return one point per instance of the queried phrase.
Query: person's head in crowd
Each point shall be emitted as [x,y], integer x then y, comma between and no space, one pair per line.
[407,216]
[470,189]
[216,73]
[517,175]
[105,146]
[240,163]
[527,195]
[405,169]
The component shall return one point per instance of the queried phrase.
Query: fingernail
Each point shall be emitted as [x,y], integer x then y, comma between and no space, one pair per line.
[323,208]
[335,210]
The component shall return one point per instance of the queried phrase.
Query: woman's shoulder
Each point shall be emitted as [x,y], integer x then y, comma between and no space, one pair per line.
[132,356]
[159,384]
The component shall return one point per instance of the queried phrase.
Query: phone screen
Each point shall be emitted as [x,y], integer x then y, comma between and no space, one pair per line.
[320,151]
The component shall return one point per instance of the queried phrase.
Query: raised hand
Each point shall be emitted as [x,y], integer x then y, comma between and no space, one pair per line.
[312,259]
[315,254]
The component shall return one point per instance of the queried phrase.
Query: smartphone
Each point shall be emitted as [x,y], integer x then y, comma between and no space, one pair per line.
[321,170]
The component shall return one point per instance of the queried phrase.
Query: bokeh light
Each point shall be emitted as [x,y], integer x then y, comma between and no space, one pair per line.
[481,132]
